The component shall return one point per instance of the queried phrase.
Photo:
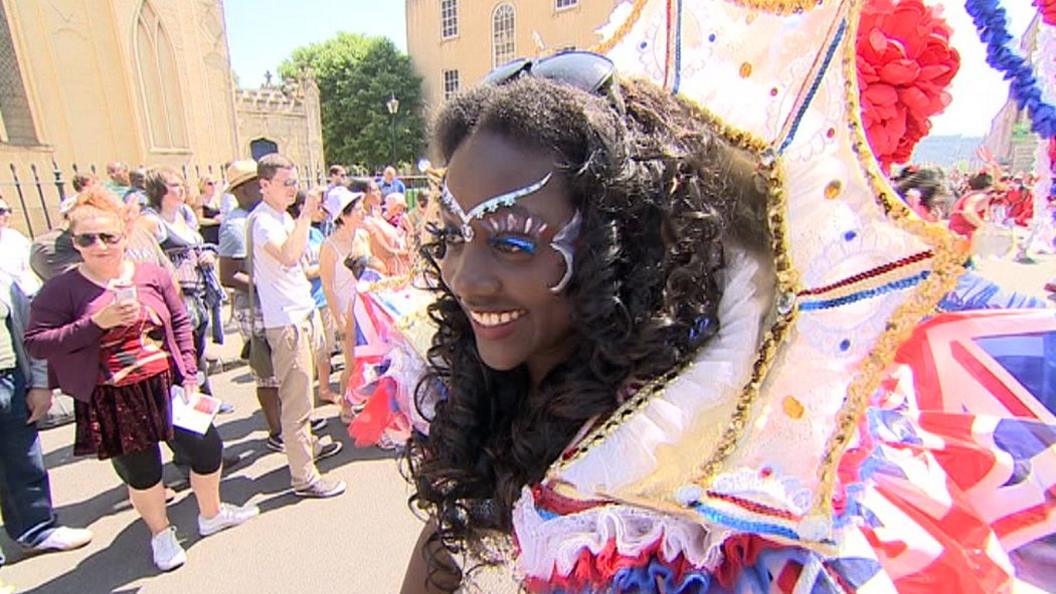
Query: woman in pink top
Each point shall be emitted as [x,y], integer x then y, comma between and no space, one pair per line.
[969,210]
[117,337]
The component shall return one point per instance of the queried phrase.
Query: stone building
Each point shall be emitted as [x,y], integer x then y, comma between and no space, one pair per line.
[454,43]
[285,119]
[85,82]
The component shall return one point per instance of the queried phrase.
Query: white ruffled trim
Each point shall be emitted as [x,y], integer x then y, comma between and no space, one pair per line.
[555,544]
[720,370]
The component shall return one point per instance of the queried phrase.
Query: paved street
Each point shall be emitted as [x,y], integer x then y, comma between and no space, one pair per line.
[359,542]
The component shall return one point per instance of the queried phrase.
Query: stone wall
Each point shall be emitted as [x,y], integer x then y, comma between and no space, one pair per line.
[287,115]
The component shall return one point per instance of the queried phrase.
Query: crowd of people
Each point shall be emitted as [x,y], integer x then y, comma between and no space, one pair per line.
[115,307]
[992,207]
[968,201]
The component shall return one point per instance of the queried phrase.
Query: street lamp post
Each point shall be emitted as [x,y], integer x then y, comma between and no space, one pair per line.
[393,105]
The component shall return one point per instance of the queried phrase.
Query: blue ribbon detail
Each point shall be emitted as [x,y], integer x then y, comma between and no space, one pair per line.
[746,525]
[904,283]
[678,49]
[829,53]
[992,26]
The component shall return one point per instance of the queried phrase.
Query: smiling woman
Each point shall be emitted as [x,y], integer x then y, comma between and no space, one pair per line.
[118,339]
[583,230]
[635,386]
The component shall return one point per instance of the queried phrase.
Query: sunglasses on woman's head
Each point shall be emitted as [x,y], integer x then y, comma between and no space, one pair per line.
[89,239]
[586,71]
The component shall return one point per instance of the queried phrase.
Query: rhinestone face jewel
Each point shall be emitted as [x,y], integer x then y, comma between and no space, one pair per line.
[448,200]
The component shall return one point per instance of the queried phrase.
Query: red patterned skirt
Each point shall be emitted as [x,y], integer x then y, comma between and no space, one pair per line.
[124,419]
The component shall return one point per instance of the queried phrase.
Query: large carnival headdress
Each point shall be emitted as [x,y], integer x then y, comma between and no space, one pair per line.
[855,272]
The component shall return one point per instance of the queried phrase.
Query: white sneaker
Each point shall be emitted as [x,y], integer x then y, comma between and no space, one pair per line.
[229,516]
[63,539]
[168,554]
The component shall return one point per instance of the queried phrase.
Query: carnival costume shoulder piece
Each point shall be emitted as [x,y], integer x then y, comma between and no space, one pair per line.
[811,445]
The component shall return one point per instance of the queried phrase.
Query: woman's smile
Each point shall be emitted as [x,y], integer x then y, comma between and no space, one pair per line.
[496,324]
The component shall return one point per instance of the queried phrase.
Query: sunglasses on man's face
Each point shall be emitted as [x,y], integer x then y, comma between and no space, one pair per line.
[587,71]
[5,211]
[89,239]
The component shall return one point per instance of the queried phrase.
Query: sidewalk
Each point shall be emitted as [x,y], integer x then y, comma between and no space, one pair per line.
[358,542]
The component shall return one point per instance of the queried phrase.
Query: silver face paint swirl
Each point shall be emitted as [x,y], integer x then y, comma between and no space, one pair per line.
[563,243]
[448,200]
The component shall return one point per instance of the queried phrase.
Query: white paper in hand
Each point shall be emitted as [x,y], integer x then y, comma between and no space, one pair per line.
[195,415]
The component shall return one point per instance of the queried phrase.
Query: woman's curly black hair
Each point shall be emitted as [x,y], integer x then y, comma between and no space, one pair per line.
[659,192]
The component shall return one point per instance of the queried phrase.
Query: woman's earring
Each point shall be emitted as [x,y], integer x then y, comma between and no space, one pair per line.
[563,244]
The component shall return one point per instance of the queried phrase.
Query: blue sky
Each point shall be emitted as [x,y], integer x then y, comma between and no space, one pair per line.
[262,33]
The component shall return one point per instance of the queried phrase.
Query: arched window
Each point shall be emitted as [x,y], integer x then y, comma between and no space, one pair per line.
[159,81]
[262,146]
[16,118]
[503,48]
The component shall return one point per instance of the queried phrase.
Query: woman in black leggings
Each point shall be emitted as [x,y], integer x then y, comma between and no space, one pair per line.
[117,338]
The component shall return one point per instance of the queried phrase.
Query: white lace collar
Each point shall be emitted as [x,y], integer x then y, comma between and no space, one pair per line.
[635,449]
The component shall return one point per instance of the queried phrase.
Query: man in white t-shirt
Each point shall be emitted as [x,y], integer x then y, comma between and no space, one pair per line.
[291,321]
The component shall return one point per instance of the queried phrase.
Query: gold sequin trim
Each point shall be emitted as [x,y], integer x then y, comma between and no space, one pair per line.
[636,13]
[947,267]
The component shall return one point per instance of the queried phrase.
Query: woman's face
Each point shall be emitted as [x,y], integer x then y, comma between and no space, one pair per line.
[100,240]
[5,214]
[175,194]
[353,216]
[502,277]
[319,215]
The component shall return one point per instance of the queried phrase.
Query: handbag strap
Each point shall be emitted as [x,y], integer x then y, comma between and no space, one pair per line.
[251,221]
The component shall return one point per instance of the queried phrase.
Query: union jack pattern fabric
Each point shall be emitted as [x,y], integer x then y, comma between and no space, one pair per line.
[951,487]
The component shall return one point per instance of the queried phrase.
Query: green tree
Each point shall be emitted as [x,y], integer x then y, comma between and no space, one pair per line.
[356,76]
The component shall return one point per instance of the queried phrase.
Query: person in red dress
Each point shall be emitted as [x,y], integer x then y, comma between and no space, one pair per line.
[117,338]
[970,209]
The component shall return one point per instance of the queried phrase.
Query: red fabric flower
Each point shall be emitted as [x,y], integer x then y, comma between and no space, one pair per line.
[905,64]
[1047,8]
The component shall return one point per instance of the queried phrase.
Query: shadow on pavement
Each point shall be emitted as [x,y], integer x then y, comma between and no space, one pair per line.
[61,457]
[235,429]
[243,378]
[127,559]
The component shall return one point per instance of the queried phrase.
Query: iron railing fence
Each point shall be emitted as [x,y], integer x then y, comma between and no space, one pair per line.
[36,189]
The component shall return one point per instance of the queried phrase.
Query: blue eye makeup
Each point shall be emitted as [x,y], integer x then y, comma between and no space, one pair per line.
[512,244]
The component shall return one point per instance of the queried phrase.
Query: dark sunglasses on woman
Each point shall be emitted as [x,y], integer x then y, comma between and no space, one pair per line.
[4,211]
[587,71]
[89,239]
